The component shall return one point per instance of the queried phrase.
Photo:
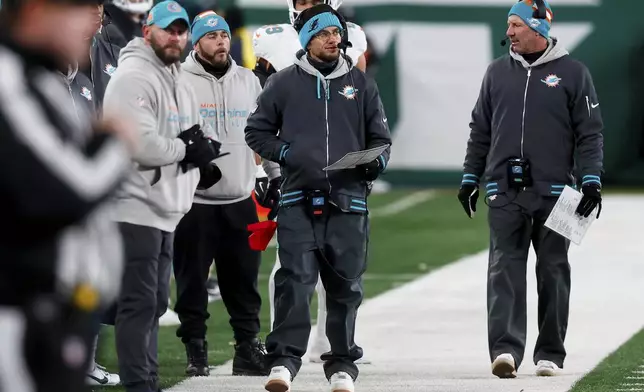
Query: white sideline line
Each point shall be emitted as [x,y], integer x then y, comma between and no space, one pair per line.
[392,208]
[403,204]
[383,277]
[430,335]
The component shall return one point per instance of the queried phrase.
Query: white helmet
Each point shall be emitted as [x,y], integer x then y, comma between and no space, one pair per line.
[293,13]
[134,6]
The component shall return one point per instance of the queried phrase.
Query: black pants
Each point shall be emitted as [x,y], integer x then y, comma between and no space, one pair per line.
[44,346]
[513,225]
[217,232]
[143,299]
[334,246]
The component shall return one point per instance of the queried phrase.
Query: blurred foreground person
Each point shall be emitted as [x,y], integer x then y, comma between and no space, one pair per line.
[61,259]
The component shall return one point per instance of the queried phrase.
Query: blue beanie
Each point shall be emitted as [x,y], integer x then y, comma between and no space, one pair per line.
[525,9]
[316,24]
[207,22]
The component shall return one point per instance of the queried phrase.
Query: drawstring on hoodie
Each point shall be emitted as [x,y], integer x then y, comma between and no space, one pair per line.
[326,87]
[318,78]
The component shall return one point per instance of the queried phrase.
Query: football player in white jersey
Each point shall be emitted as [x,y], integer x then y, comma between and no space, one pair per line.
[275,48]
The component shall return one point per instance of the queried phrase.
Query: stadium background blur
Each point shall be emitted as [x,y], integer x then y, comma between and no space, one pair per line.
[428,57]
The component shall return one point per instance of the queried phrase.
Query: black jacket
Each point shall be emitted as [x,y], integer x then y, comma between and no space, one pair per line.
[306,121]
[121,27]
[104,61]
[81,93]
[57,175]
[547,112]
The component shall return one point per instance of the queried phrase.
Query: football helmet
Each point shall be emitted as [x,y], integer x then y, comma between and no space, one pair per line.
[293,13]
[134,6]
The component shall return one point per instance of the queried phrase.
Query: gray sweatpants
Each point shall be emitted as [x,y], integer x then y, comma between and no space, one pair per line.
[143,299]
[515,221]
[335,248]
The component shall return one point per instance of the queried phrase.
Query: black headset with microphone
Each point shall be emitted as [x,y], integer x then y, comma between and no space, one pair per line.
[540,13]
[300,22]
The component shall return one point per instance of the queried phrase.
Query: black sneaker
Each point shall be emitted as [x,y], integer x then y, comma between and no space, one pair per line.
[250,359]
[197,354]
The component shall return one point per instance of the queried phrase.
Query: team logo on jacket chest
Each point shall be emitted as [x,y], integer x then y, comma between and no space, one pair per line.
[551,80]
[86,93]
[349,92]
[109,69]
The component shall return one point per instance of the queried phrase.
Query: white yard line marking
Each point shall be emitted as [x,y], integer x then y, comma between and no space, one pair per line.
[367,276]
[403,204]
[393,208]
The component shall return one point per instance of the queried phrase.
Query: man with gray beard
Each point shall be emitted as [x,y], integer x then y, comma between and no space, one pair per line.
[148,89]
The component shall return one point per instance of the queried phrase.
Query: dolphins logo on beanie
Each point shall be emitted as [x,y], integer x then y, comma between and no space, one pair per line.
[207,22]
[525,9]
[316,22]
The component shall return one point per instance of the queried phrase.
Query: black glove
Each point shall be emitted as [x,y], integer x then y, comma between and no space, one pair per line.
[272,197]
[261,187]
[468,195]
[200,150]
[210,175]
[591,199]
[191,135]
[371,170]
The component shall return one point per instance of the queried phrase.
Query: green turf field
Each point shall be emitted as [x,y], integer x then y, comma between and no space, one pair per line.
[403,246]
[614,371]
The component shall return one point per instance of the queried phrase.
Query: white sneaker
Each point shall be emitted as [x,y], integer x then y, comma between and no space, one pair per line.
[546,368]
[279,380]
[341,382]
[169,319]
[504,366]
[101,377]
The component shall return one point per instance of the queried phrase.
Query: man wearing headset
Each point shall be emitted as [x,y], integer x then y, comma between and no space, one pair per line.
[307,117]
[275,48]
[536,112]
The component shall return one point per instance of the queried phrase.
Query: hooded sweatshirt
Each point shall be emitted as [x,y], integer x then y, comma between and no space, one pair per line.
[225,104]
[546,112]
[306,121]
[161,104]
[81,93]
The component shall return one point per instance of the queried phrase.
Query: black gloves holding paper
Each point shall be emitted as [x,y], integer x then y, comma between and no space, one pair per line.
[371,170]
[592,198]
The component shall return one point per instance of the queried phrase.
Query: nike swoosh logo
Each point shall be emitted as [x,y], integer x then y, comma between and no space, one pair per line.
[594,105]
[101,381]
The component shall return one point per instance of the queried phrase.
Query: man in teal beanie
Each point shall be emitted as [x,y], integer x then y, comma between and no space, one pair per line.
[527,33]
[536,128]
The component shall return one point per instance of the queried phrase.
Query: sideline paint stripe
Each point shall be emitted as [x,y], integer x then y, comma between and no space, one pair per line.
[393,208]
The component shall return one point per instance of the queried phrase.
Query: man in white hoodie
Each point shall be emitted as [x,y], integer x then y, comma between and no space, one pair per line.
[216,226]
[147,88]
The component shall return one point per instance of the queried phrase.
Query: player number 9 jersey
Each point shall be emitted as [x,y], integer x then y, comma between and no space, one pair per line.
[278,44]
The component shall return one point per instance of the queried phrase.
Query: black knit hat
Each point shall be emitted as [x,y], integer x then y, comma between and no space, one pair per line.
[309,13]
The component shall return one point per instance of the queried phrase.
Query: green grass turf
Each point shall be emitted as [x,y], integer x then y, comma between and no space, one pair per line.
[612,371]
[402,247]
